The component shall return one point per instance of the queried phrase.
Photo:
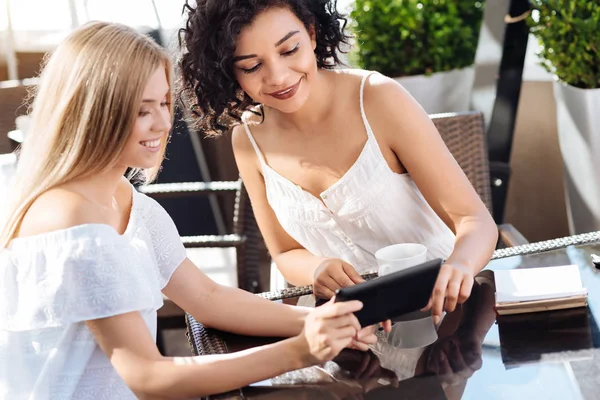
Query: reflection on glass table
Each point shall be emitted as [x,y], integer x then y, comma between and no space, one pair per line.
[550,355]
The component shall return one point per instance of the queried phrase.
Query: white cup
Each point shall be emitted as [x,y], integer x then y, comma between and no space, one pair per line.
[397,257]
[415,329]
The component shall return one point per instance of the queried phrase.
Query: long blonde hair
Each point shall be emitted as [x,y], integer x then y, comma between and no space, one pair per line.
[83,112]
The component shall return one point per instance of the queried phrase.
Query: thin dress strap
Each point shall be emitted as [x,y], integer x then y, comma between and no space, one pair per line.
[258,152]
[362,105]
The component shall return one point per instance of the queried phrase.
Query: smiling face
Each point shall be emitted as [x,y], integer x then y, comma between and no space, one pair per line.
[152,125]
[274,60]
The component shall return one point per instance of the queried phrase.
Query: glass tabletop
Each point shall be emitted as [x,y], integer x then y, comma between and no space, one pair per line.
[477,355]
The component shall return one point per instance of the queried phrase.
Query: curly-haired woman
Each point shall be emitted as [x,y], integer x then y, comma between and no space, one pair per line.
[338,163]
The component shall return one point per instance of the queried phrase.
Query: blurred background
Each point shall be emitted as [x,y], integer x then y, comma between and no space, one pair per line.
[535,197]
[504,81]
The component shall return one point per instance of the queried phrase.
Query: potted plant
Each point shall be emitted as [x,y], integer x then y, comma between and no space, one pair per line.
[570,49]
[427,45]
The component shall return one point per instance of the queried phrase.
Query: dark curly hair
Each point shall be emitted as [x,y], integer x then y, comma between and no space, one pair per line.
[207,81]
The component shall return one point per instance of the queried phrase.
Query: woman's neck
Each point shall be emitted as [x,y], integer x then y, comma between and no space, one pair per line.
[317,107]
[101,188]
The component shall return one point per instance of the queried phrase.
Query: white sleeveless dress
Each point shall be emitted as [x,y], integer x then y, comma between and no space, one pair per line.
[368,208]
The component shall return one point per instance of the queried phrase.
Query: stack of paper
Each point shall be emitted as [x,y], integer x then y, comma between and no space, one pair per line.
[539,289]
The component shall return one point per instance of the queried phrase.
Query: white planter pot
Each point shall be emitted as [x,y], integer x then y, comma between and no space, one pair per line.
[578,119]
[443,91]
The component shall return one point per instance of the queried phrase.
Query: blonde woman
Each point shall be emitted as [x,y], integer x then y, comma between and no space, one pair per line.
[84,257]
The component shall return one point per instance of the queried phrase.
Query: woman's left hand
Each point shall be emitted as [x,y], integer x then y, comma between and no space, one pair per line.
[453,286]
[366,336]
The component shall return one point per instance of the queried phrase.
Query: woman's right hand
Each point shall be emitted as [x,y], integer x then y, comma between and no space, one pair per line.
[329,329]
[333,274]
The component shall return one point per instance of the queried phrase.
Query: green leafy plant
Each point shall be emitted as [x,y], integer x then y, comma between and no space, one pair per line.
[413,37]
[569,35]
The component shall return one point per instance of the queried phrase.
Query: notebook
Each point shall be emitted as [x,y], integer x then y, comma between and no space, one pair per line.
[539,289]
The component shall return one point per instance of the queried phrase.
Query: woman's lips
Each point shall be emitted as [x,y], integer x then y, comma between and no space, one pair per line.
[286,93]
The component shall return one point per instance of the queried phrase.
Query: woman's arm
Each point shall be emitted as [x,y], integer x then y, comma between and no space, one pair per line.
[234,310]
[126,341]
[404,127]
[231,309]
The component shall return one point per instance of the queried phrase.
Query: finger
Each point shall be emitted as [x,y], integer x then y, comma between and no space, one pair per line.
[366,331]
[325,287]
[465,289]
[452,293]
[341,278]
[387,325]
[345,320]
[439,294]
[332,310]
[367,340]
[428,306]
[323,292]
[344,333]
[338,345]
[476,364]
[338,318]
[359,345]
[351,273]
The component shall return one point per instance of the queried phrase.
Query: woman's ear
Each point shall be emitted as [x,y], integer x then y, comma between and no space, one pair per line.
[313,36]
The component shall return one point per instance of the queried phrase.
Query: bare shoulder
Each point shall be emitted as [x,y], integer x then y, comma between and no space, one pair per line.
[380,90]
[253,118]
[239,140]
[59,208]
[245,156]
[348,82]
[352,74]
[390,108]
[242,146]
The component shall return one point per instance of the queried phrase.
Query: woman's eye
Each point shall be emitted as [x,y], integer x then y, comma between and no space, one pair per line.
[143,113]
[292,51]
[285,54]
[251,70]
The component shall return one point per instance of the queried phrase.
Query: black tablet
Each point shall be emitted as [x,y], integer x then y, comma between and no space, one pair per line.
[393,295]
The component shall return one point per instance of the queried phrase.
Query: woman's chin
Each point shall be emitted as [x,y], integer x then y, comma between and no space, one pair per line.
[290,106]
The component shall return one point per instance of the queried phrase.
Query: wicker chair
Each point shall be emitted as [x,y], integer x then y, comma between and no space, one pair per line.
[464,135]
[253,261]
